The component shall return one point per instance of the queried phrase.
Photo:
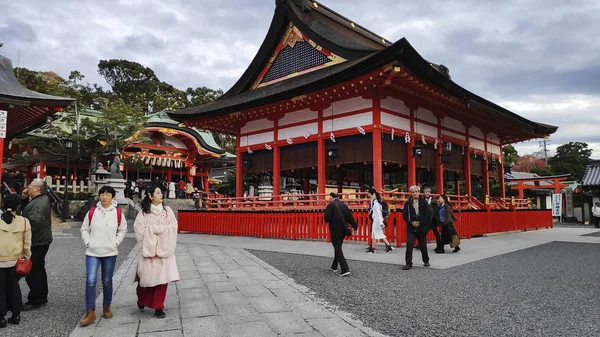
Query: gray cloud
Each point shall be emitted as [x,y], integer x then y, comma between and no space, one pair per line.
[537,58]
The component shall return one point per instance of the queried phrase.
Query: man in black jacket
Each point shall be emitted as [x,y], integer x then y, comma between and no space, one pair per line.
[435,209]
[417,215]
[338,216]
[37,210]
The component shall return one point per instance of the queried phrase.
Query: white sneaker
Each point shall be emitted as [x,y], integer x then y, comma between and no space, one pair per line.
[345,274]
[333,270]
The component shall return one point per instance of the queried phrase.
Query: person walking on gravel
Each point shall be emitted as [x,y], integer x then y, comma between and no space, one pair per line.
[103,229]
[447,218]
[37,209]
[417,215]
[338,216]
[432,201]
[377,222]
[156,232]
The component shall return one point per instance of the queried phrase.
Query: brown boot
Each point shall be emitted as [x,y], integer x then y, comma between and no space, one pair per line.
[89,318]
[107,313]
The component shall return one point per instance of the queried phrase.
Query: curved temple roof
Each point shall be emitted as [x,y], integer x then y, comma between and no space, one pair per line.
[27,109]
[364,52]
[11,89]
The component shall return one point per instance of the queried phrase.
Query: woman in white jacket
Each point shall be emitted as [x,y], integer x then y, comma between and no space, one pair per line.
[103,229]
[377,224]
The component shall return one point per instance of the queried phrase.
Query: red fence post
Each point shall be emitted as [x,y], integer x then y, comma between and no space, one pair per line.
[488,213]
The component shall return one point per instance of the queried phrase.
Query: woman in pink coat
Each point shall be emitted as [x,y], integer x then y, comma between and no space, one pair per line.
[156,231]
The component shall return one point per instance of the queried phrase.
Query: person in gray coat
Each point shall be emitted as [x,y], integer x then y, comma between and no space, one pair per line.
[36,208]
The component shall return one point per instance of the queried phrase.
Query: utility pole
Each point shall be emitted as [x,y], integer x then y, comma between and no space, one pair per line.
[544,146]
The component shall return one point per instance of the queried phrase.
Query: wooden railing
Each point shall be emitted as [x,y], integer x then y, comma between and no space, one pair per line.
[356,201]
[310,224]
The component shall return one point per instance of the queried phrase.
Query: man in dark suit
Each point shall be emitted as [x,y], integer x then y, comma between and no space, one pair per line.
[417,215]
[435,209]
[338,216]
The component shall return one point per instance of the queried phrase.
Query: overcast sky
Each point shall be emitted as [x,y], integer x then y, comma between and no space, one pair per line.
[538,58]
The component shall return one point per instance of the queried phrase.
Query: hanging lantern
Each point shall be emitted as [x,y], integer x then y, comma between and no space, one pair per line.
[193,170]
[445,157]
[492,165]
[332,153]
[417,150]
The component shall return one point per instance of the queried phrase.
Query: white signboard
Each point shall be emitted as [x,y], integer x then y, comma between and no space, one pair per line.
[557,204]
[3,118]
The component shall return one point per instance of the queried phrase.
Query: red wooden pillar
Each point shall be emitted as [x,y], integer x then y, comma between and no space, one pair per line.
[501,175]
[169,174]
[1,155]
[467,167]
[321,160]
[239,170]
[377,160]
[206,186]
[412,163]
[486,174]
[439,169]
[276,161]
[522,192]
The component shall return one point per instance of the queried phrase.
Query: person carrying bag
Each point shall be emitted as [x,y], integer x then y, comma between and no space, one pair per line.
[15,254]
[339,217]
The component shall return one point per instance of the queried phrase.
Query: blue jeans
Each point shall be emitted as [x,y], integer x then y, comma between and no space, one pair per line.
[92,264]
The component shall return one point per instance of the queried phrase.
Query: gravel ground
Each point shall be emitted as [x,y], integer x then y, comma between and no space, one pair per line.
[533,292]
[65,265]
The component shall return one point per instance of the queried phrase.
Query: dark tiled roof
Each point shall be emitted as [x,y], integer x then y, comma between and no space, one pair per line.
[11,88]
[365,52]
[591,177]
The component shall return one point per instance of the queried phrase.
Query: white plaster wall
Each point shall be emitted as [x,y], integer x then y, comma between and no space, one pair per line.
[298,116]
[495,149]
[298,131]
[425,115]
[261,124]
[176,142]
[475,131]
[348,122]
[493,138]
[395,121]
[395,105]
[349,105]
[257,139]
[477,144]
[427,130]
[454,135]
[453,124]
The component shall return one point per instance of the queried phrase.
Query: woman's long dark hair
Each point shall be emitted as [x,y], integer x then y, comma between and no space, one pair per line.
[377,195]
[446,200]
[146,202]
[10,204]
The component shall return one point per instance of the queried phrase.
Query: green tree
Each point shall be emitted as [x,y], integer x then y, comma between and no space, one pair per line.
[571,158]
[202,95]
[510,155]
[132,82]
[542,171]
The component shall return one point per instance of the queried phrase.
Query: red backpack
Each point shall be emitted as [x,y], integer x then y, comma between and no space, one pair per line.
[119,216]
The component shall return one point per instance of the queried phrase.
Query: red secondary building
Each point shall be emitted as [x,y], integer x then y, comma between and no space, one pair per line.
[326,102]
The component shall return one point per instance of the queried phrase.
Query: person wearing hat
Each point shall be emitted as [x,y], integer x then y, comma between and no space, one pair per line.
[338,216]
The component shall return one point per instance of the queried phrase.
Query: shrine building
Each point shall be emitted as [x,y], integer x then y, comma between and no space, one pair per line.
[328,104]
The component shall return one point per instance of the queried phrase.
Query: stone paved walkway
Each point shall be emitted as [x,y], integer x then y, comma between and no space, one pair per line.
[223,292]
